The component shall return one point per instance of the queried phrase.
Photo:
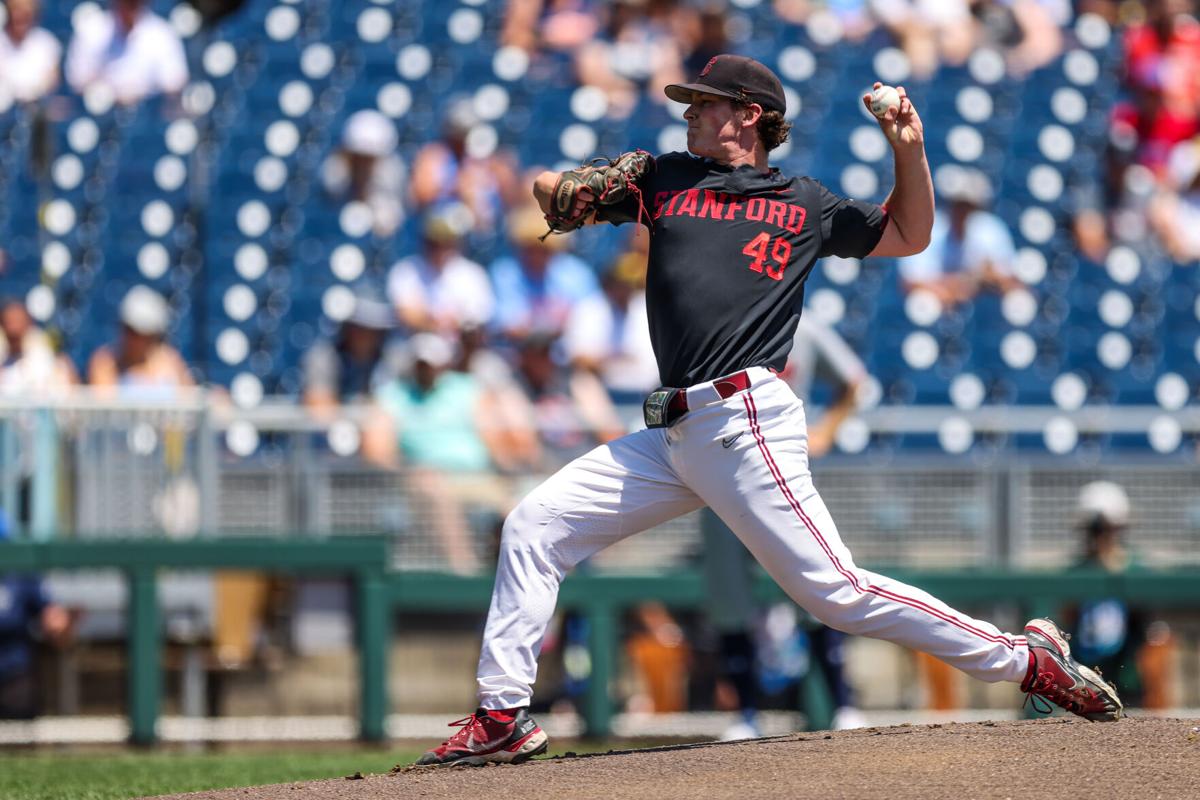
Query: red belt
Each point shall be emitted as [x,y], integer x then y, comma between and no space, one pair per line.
[726,387]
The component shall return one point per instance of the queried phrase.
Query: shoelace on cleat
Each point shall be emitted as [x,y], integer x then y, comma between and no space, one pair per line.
[467,726]
[1046,688]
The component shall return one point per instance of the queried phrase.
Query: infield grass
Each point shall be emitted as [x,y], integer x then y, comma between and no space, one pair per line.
[122,774]
[56,776]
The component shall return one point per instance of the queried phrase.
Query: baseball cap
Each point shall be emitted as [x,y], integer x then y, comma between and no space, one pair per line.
[739,77]
[371,309]
[432,349]
[370,133]
[460,117]
[971,186]
[527,226]
[145,311]
[1104,500]
[447,223]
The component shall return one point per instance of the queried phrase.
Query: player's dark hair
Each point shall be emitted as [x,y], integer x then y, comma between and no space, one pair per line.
[773,129]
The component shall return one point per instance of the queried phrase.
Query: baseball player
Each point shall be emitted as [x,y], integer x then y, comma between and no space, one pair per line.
[732,241]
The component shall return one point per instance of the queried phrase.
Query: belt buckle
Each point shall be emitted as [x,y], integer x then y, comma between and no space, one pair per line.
[655,407]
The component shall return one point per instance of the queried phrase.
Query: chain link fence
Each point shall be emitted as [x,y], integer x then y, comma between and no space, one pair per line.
[179,469]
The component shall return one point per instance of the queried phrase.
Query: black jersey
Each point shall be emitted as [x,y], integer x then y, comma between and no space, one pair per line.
[730,249]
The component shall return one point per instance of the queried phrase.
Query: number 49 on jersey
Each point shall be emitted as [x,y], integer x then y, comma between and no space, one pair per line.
[762,246]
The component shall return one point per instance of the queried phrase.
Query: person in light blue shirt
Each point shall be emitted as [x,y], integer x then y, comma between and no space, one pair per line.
[539,284]
[439,426]
[970,249]
[435,419]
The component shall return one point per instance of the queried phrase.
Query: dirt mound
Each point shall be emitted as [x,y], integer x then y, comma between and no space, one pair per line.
[1143,758]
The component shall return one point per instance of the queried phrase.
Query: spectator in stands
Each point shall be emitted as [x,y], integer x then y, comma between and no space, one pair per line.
[608,334]
[29,369]
[476,357]
[948,31]
[539,283]
[446,170]
[1109,10]
[130,50]
[1089,227]
[1106,631]
[514,442]
[1175,213]
[703,33]
[569,409]
[141,363]
[27,617]
[1024,29]
[440,289]
[970,250]
[659,656]
[929,31]
[1162,72]
[29,55]
[28,364]
[855,16]
[637,48]
[366,169]
[820,355]
[437,424]
[359,362]
[561,25]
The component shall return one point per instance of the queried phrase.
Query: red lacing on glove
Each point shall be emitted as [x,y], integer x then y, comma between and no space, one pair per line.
[630,186]
[642,210]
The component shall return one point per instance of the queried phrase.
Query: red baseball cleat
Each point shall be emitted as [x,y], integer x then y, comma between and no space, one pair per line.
[1055,676]
[504,737]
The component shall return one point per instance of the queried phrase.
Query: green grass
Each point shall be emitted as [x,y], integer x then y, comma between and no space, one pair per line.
[122,774]
[55,776]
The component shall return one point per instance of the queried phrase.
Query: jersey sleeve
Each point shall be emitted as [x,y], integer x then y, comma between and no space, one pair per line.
[849,228]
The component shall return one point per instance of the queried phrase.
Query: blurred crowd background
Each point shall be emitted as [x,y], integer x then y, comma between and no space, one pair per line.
[316,217]
[277,199]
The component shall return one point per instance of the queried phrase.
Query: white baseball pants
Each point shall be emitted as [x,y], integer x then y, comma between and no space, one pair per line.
[746,457]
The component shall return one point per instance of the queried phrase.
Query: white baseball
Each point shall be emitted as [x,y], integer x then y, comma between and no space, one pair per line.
[883,98]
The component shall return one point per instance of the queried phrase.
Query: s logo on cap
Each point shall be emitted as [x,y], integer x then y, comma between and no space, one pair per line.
[708,67]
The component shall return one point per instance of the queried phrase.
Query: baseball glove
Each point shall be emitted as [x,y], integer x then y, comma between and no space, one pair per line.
[610,181]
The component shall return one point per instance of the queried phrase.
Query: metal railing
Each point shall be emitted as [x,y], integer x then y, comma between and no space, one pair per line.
[92,468]
[602,599]
[197,483]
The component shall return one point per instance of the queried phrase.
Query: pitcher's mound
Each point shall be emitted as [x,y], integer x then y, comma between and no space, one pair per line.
[1143,758]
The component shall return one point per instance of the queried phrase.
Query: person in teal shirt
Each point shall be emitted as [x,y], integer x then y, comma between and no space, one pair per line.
[433,424]
[435,412]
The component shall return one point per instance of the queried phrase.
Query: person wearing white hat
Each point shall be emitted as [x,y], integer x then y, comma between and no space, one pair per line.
[141,363]
[439,289]
[439,426]
[1106,630]
[358,361]
[366,169]
[1103,509]
[970,249]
